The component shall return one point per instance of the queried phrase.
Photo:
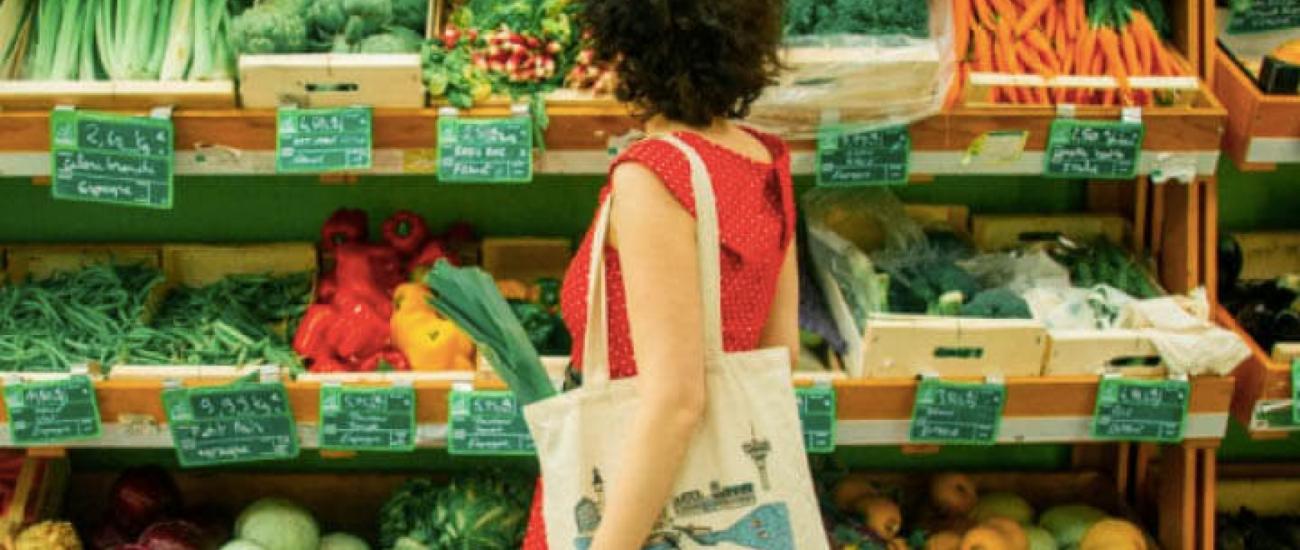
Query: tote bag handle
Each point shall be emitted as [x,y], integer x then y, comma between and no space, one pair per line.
[596,341]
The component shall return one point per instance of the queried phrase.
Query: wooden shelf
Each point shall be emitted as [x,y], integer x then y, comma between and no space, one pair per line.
[1263,385]
[1263,130]
[242,142]
[871,411]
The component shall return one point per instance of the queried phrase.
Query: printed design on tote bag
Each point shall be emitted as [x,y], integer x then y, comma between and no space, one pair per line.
[766,527]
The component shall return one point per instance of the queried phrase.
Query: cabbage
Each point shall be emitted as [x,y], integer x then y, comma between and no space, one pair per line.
[277,524]
[342,541]
[241,544]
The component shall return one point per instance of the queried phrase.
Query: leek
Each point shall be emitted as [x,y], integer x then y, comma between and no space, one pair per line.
[470,298]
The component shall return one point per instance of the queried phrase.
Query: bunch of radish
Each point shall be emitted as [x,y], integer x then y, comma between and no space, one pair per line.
[587,74]
[520,57]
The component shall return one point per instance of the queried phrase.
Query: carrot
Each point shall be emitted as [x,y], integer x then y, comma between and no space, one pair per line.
[1110,48]
[1033,61]
[1060,46]
[1071,23]
[1040,43]
[983,50]
[1083,49]
[1033,12]
[961,27]
[1128,47]
[984,12]
[1144,47]
[1052,24]
[1006,10]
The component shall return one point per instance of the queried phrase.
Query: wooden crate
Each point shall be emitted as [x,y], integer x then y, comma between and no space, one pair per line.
[1264,380]
[909,345]
[526,259]
[39,261]
[331,80]
[134,95]
[1074,351]
[196,265]
[336,80]
[229,492]
[1268,489]
[1262,128]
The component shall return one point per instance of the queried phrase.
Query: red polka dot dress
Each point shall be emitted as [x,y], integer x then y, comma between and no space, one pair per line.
[756,216]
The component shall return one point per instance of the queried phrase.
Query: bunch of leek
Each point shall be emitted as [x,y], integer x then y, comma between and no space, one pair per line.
[470,297]
[15,24]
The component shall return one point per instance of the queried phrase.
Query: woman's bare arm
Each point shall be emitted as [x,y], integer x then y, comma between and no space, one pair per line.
[782,328]
[657,250]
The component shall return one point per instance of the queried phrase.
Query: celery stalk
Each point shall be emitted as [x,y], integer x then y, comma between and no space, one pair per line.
[158,39]
[180,43]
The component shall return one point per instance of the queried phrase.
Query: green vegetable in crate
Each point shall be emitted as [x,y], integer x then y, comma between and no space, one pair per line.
[1100,261]
[277,524]
[997,303]
[90,315]
[273,26]
[873,17]
[392,40]
[478,511]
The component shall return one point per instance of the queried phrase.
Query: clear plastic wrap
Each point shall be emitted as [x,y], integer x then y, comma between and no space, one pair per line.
[873,219]
[870,80]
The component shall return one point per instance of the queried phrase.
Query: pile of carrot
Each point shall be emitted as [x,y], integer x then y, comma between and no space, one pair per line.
[1061,37]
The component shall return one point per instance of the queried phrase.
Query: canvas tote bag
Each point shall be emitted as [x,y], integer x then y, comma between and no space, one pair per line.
[745,482]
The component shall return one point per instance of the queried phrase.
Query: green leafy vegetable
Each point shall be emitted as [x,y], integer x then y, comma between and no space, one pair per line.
[470,297]
[484,511]
[873,17]
[273,26]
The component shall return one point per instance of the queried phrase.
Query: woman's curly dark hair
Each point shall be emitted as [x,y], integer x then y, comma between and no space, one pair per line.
[688,60]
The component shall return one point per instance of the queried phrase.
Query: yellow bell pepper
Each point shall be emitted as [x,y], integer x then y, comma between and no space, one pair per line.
[430,342]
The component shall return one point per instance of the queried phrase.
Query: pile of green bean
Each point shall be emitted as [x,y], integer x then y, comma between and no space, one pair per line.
[84,316]
[239,320]
[99,315]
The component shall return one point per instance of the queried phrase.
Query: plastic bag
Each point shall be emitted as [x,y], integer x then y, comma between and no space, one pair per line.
[872,219]
[1180,329]
[1066,308]
[869,80]
[1018,272]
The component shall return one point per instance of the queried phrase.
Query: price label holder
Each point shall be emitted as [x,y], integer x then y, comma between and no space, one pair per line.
[367,418]
[112,159]
[49,412]
[851,156]
[962,413]
[1295,390]
[487,423]
[1252,16]
[1094,149]
[246,421]
[313,141]
[1141,410]
[817,415]
[485,150]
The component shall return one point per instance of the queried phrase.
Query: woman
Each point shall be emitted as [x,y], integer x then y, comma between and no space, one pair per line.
[689,67]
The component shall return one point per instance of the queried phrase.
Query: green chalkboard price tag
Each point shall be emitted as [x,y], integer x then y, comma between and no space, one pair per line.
[485,150]
[817,415]
[54,411]
[851,157]
[1141,410]
[240,422]
[1295,390]
[1093,149]
[1249,16]
[114,159]
[323,140]
[487,423]
[367,419]
[957,412]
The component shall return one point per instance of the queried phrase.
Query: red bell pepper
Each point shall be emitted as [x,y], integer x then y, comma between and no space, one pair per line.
[326,287]
[312,338]
[345,226]
[387,268]
[328,363]
[432,252]
[387,360]
[357,275]
[362,332]
[406,232]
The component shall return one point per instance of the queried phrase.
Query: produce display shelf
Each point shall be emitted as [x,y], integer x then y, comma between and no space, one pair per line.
[871,411]
[1263,389]
[1263,130]
[581,136]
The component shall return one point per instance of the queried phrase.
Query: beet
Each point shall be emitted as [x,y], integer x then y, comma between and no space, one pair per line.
[142,496]
[172,535]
